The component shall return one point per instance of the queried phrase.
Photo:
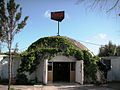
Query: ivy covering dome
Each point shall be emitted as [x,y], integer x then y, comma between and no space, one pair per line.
[61,42]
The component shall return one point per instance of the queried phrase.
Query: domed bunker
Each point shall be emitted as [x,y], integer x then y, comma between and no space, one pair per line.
[59,59]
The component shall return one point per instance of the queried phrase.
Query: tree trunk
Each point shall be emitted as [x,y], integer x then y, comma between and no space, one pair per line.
[9,65]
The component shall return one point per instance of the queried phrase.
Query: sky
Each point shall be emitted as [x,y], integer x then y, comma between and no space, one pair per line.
[80,23]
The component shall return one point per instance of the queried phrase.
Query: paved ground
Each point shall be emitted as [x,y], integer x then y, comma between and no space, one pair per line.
[65,86]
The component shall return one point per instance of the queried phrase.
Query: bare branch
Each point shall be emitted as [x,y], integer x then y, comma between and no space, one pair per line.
[114,6]
[107,5]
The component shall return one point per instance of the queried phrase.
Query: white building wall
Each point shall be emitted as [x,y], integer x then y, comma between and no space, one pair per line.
[39,71]
[61,58]
[15,65]
[1,62]
[4,67]
[114,73]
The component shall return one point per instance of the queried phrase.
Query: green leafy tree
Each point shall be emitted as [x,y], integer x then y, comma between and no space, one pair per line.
[10,24]
[108,50]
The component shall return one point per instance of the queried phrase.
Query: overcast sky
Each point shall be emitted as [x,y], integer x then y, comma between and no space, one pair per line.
[80,23]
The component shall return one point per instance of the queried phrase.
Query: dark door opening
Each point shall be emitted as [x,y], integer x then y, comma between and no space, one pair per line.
[61,72]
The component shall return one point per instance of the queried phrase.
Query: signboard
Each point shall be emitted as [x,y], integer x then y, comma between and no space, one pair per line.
[57,16]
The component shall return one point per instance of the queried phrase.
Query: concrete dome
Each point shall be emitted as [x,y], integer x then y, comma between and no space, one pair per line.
[78,44]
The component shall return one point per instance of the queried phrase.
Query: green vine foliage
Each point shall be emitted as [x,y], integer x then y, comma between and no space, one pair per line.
[48,47]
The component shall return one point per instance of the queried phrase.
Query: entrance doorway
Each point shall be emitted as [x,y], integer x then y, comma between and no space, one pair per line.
[61,72]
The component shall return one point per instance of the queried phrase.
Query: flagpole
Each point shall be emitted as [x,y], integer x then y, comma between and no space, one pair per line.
[57,16]
[58,29]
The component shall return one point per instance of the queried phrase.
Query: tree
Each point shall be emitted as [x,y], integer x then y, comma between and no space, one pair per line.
[107,5]
[10,25]
[118,50]
[108,50]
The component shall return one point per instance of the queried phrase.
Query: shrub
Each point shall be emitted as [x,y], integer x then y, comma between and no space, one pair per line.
[4,81]
[21,79]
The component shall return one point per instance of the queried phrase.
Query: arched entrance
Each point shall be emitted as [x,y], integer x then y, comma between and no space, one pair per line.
[61,71]
[64,69]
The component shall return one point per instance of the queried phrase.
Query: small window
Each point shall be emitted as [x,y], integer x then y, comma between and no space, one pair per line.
[72,66]
[49,66]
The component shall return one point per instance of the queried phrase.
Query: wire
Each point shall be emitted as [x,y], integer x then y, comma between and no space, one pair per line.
[91,43]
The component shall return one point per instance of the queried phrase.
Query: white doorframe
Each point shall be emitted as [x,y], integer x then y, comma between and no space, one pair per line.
[79,72]
[45,71]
